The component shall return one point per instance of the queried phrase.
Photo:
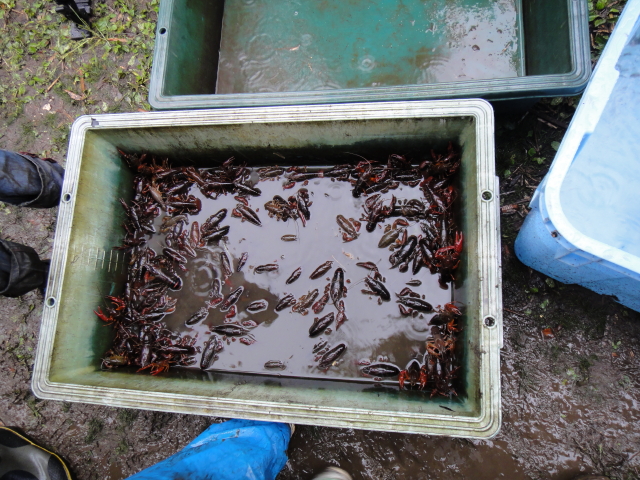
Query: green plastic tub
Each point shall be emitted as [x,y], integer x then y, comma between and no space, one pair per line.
[238,53]
[86,266]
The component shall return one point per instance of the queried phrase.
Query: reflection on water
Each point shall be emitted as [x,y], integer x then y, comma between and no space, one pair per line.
[374,328]
[305,46]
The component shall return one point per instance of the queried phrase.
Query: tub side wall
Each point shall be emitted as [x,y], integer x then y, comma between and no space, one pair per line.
[68,363]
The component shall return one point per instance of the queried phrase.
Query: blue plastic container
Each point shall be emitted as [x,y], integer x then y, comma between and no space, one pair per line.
[584,224]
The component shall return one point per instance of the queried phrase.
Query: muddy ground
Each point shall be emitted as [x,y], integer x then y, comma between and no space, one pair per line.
[570,404]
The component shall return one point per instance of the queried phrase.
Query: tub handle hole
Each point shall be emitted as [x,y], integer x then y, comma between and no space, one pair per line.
[50,302]
[487,195]
[489,322]
[66,197]
[162,31]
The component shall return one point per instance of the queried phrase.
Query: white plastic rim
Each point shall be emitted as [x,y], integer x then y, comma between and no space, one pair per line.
[483,425]
[584,122]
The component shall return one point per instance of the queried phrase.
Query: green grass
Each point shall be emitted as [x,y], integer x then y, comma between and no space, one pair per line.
[122,447]
[603,15]
[126,417]
[38,60]
[95,427]
[29,133]
[34,405]
[21,351]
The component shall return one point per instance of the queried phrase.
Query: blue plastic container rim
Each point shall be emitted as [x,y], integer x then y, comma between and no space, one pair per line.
[582,125]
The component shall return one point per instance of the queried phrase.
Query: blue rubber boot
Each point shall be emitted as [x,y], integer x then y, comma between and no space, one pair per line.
[233,450]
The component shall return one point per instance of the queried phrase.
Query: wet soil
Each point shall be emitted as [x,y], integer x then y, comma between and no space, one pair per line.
[570,403]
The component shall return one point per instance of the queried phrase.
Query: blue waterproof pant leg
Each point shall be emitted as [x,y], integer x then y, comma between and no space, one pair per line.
[233,450]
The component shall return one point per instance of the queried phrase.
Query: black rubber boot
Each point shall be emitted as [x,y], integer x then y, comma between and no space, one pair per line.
[29,181]
[21,269]
[21,459]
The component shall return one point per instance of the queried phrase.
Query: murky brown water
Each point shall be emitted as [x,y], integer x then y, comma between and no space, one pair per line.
[374,328]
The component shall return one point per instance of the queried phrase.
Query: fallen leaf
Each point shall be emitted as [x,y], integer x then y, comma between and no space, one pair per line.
[47,107]
[122,40]
[547,333]
[75,96]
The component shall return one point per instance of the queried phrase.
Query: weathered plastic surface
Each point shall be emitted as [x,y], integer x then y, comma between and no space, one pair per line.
[300,46]
[85,266]
[584,226]
[237,53]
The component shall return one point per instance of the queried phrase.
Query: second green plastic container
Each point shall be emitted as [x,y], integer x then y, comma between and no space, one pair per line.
[238,53]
